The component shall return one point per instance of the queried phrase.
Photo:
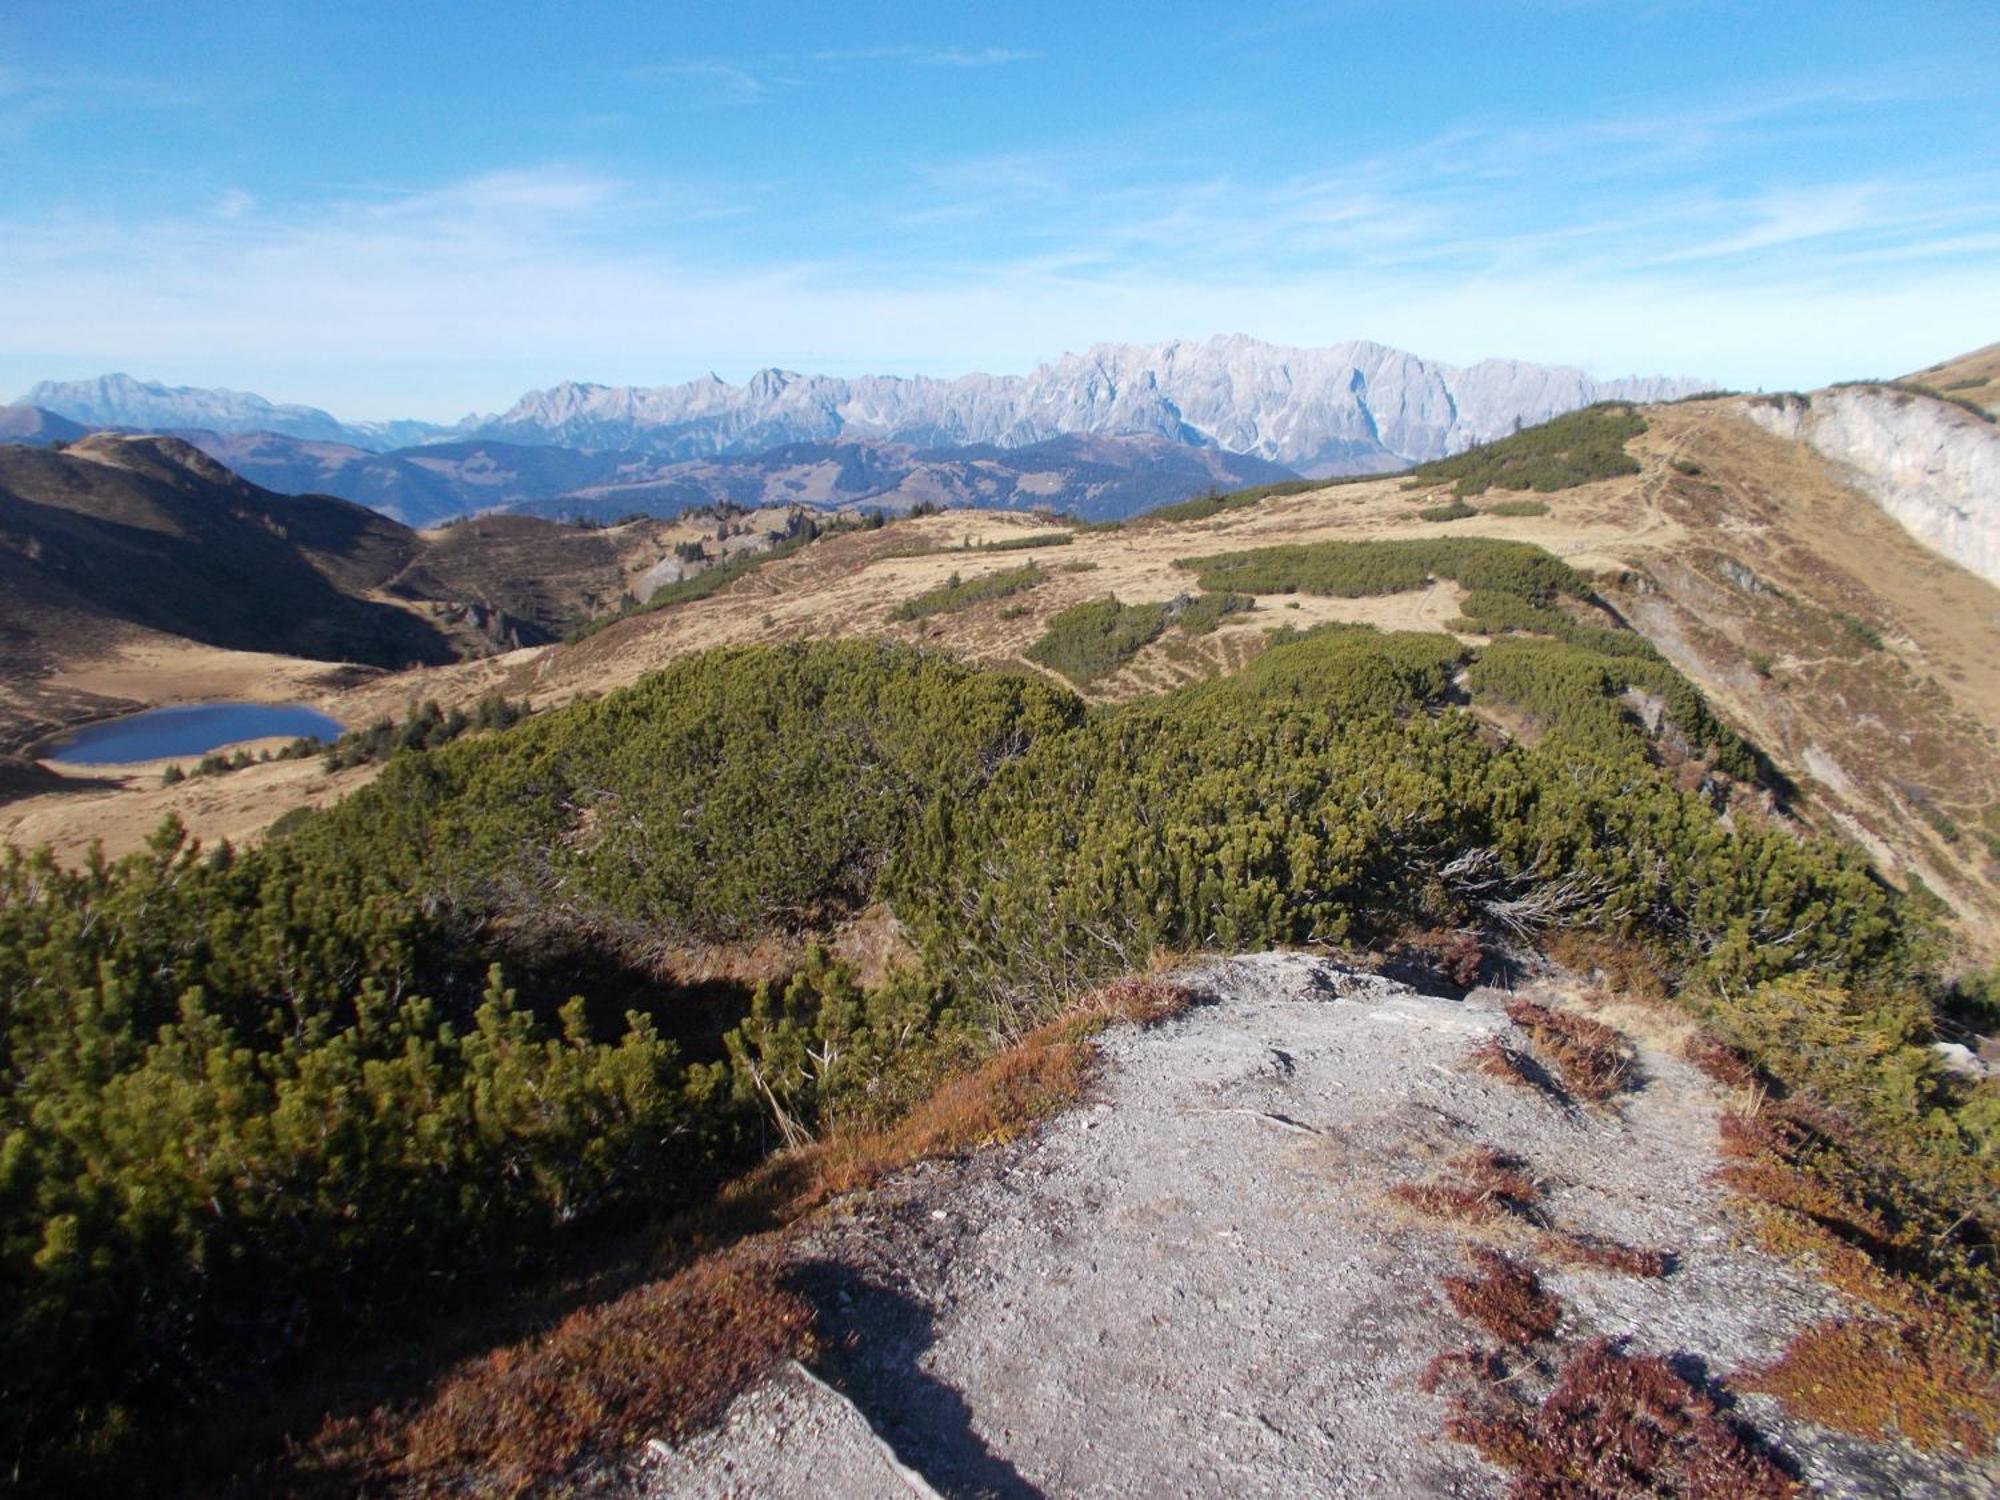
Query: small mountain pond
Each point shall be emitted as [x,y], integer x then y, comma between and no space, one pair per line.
[185,729]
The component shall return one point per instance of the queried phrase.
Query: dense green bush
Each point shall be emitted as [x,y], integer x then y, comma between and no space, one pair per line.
[1558,455]
[1451,510]
[1093,640]
[1205,612]
[232,1128]
[425,726]
[1351,570]
[956,593]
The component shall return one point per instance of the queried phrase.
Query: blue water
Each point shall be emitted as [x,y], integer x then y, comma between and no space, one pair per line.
[189,729]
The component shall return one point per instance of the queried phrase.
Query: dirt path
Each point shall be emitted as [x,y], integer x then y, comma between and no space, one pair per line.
[1195,1285]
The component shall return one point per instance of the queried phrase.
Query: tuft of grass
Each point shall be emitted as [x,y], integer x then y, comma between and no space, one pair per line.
[1720,1062]
[1592,1061]
[1505,1298]
[1607,1255]
[1618,1425]
[1481,1186]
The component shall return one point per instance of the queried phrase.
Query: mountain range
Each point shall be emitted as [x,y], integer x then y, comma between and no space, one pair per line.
[1227,410]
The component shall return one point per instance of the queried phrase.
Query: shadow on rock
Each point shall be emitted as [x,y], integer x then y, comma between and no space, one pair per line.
[875,1337]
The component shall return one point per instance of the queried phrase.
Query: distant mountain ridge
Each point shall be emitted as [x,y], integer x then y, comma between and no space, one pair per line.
[147,405]
[1356,407]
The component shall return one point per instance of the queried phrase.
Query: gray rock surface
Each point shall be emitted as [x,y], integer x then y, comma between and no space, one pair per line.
[1195,1285]
[1930,465]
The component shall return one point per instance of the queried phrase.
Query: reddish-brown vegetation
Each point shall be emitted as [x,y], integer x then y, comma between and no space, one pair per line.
[1482,1185]
[1619,1425]
[1606,1255]
[1884,1379]
[1505,1298]
[663,1359]
[1720,1061]
[1592,1061]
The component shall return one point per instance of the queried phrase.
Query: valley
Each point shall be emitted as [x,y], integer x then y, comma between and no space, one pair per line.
[891,839]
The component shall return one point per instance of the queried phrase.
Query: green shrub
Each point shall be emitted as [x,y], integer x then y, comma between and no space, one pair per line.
[1455,510]
[1204,613]
[1027,543]
[425,726]
[233,1132]
[1860,631]
[1558,455]
[956,594]
[1215,503]
[1518,508]
[1090,641]
[1355,569]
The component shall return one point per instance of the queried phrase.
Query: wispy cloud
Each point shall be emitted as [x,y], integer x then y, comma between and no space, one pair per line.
[709,78]
[927,57]
[751,81]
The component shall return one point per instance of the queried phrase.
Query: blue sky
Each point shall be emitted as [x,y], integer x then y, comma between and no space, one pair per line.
[412,209]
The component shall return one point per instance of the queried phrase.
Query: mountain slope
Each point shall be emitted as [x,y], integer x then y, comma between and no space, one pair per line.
[36,427]
[115,533]
[1097,478]
[1353,408]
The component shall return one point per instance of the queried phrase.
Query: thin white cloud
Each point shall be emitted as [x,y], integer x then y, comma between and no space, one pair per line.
[928,57]
[709,77]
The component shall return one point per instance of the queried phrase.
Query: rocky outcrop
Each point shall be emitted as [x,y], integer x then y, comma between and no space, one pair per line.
[1929,464]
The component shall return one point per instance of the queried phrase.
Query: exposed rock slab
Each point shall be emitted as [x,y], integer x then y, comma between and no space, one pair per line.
[1195,1285]
[1933,467]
